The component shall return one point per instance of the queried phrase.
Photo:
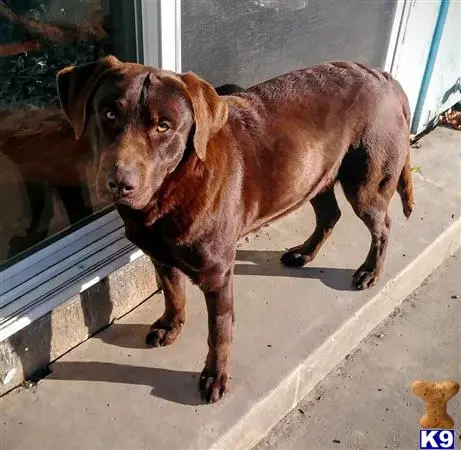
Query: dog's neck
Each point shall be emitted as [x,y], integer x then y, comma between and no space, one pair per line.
[175,191]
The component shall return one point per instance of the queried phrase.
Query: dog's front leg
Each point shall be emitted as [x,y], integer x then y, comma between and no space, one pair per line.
[219,301]
[166,329]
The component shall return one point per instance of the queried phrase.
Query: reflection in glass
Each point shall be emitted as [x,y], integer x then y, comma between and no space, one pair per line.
[46,180]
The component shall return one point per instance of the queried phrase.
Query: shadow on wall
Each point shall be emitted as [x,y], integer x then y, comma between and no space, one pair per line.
[456,88]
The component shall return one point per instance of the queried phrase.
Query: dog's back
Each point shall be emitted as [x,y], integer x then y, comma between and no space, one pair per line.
[306,124]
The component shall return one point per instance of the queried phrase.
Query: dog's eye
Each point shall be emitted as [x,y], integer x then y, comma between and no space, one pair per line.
[162,126]
[110,115]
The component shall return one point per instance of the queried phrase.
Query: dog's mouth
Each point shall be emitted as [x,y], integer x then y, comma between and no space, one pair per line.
[126,200]
[134,200]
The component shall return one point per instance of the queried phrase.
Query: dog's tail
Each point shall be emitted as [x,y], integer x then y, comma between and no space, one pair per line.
[405,184]
[405,188]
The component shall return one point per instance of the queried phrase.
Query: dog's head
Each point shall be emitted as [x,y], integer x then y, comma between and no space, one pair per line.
[139,121]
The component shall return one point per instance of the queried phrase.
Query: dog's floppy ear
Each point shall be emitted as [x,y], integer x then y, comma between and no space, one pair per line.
[76,84]
[210,111]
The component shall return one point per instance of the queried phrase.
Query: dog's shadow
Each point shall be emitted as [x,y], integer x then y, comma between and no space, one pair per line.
[263,263]
[175,385]
[267,263]
[172,385]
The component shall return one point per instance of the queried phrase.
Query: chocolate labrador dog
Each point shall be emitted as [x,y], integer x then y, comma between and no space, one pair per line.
[191,172]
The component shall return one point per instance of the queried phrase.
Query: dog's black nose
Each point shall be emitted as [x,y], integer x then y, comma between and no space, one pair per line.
[122,181]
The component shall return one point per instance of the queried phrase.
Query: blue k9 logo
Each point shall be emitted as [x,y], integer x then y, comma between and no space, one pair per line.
[432,439]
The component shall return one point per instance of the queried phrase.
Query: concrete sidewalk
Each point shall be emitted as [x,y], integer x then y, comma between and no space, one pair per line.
[367,401]
[293,326]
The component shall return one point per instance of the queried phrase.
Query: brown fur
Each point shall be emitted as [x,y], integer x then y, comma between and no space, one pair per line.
[40,142]
[224,166]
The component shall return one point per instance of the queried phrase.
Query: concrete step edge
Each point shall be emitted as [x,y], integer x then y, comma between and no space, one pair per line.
[265,414]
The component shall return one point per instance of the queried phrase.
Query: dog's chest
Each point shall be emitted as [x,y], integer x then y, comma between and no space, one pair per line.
[165,250]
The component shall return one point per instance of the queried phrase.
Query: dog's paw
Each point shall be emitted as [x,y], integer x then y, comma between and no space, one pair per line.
[364,279]
[293,258]
[161,335]
[212,385]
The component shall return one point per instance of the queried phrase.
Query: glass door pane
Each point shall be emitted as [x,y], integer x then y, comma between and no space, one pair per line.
[46,179]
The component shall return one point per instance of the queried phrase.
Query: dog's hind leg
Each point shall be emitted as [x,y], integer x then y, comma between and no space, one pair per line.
[369,177]
[327,213]
[374,216]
